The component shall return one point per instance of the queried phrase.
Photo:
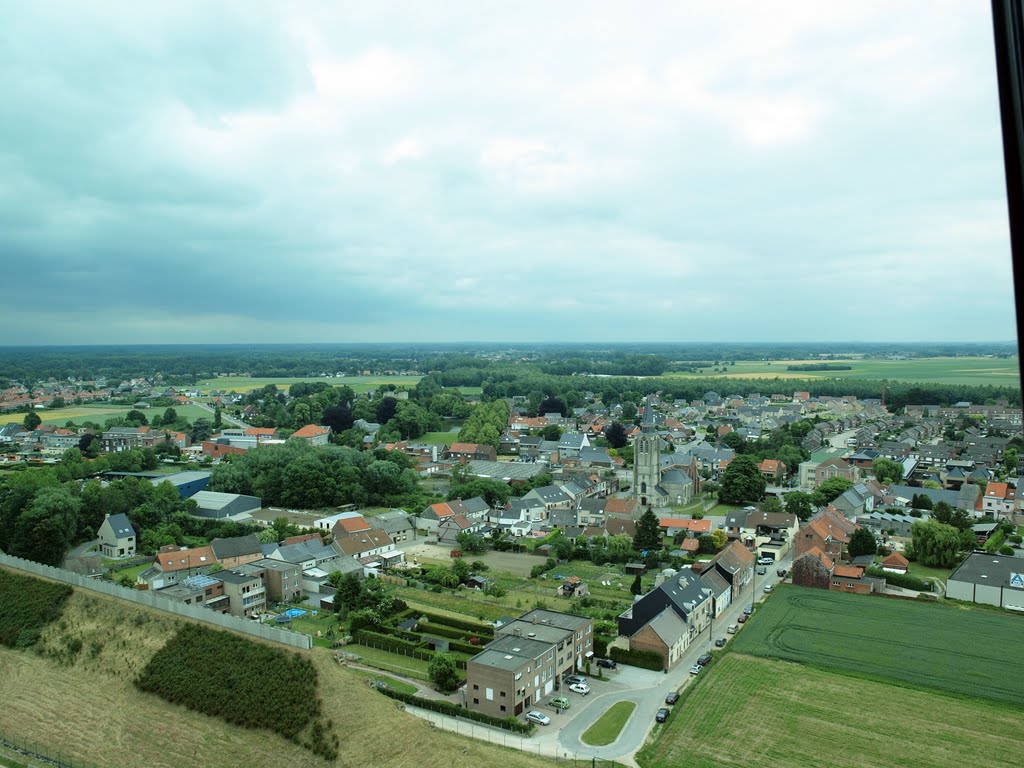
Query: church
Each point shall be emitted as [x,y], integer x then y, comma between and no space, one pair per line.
[658,480]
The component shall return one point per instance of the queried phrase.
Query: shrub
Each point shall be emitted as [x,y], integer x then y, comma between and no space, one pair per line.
[904,580]
[642,659]
[454,710]
[226,676]
[27,605]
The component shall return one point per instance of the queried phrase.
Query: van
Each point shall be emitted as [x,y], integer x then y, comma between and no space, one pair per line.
[731,629]
[560,702]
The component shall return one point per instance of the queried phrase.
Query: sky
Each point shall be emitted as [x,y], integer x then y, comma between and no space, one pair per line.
[185,172]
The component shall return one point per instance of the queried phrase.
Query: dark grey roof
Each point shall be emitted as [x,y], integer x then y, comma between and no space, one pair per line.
[122,526]
[990,570]
[236,546]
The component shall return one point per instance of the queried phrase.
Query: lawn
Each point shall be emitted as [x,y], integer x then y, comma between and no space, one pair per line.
[390,662]
[920,644]
[100,413]
[358,383]
[608,726]
[438,438]
[750,711]
[938,370]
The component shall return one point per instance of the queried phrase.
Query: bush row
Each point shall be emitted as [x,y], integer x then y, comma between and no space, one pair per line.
[398,645]
[27,605]
[439,630]
[509,723]
[642,659]
[900,579]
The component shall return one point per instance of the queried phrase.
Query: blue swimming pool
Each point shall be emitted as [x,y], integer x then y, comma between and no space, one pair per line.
[294,613]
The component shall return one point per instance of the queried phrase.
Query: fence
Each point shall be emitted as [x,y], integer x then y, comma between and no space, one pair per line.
[33,753]
[154,600]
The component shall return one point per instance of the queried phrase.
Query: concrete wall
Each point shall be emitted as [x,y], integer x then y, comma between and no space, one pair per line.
[154,600]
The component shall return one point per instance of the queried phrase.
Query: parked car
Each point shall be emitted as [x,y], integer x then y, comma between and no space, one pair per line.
[574,679]
[695,669]
[661,716]
[781,573]
[720,642]
[731,629]
[765,560]
[560,702]
[538,717]
[581,688]
[742,618]
[672,698]
[704,660]
[607,663]
[761,570]
[768,588]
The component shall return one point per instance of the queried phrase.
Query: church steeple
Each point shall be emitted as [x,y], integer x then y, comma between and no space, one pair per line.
[647,457]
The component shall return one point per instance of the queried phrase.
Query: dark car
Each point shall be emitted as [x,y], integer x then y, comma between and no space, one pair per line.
[704,660]
[781,573]
[606,663]
[672,698]
[742,618]
[720,642]
[662,715]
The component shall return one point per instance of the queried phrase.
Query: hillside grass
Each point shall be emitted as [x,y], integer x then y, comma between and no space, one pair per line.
[922,644]
[750,711]
[105,720]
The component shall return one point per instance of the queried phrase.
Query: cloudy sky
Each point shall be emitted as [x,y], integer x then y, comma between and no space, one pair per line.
[336,172]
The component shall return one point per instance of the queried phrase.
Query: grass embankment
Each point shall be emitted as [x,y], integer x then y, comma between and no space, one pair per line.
[608,726]
[105,719]
[920,644]
[750,710]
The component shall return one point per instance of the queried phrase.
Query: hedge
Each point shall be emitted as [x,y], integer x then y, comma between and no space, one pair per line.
[509,723]
[642,659]
[398,645]
[472,626]
[601,645]
[451,632]
[900,579]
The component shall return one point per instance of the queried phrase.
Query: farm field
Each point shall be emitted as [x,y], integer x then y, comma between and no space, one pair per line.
[939,370]
[921,644]
[358,383]
[749,711]
[100,413]
[147,732]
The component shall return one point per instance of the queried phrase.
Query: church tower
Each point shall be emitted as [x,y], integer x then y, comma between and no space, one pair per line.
[646,459]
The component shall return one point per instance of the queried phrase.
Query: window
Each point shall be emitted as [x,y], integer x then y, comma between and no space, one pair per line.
[476,701]
[502,694]
[489,694]
[476,687]
[503,708]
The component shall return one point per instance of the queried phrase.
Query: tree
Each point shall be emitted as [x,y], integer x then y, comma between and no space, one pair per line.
[443,673]
[862,542]
[742,481]
[553,405]
[136,418]
[921,501]
[615,434]
[935,544]
[217,418]
[831,489]
[706,544]
[648,531]
[386,409]
[471,542]
[771,505]
[719,538]
[551,432]
[31,421]
[887,471]
[799,503]
[636,587]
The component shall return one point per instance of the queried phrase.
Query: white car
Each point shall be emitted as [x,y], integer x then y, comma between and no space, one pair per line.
[695,669]
[768,588]
[538,717]
[581,688]
[765,561]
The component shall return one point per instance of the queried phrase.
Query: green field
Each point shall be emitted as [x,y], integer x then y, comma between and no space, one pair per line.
[100,413]
[358,383]
[437,438]
[921,644]
[749,712]
[937,370]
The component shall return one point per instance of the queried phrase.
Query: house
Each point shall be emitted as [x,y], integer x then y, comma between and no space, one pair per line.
[835,467]
[370,541]
[895,563]
[282,580]
[463,452]
[683,595]
[772,469]
[246,593]
[998,500]
[449,528]
[990,579]
[855,501]
[313,434]
[549,496]
[306,554]
[827,531]
[671,526]
[527,661]
[237,550]
[735,564]
[397,524]
[817,570]
[350,524]
[175,564]
[117,536]
[770,534]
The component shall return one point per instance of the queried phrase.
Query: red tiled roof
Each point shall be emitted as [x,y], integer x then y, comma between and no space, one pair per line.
[200,557]
[697,526]
[310,430]
[848,572]
[351,525]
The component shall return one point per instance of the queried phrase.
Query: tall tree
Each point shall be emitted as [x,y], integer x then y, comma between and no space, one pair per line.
[615,433]
[31,421]
[648,531]
[742,481]
[887,471]
[830,490]
[799,503]
[935,544]
[862,542]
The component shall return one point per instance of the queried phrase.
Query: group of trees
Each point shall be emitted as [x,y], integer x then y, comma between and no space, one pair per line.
[297,474]
[485,424]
